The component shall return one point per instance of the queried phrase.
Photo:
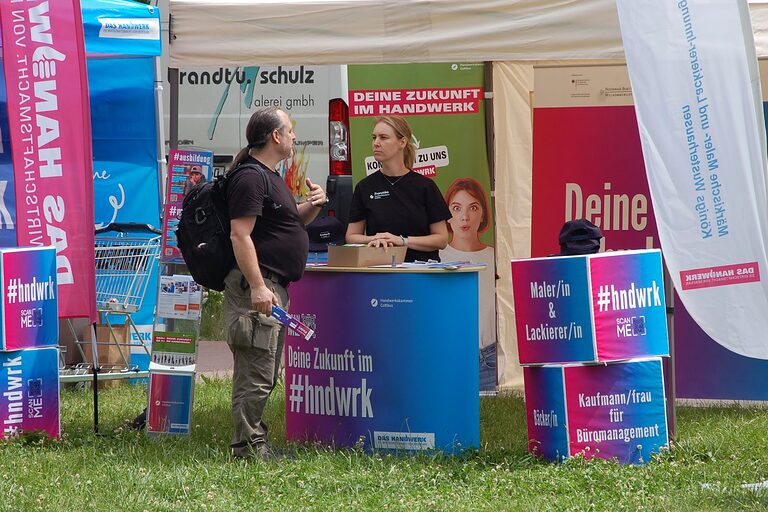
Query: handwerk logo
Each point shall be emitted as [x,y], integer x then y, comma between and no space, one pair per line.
[610,298]
[19,292]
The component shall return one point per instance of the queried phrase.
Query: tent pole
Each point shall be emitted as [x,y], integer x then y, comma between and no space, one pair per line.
[173,78]
[489,127]
[669,362]
[96,369]
[159,121]
[490,150]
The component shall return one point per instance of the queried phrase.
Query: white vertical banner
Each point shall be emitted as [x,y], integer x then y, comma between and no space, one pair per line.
[693,69]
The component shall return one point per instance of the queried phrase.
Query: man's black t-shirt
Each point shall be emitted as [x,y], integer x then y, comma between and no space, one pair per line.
[279,234]
[403,207]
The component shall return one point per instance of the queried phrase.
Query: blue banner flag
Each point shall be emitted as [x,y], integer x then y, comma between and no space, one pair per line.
[121,27]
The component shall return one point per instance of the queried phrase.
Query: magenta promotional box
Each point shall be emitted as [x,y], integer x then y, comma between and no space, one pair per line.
[610,411]
[29,391]
[602,307]
[29,310]
[170,400]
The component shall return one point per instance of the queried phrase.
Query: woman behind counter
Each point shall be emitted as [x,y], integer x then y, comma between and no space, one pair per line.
[395,206]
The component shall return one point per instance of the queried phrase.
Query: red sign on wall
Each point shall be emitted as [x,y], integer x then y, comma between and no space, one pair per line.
[588,163]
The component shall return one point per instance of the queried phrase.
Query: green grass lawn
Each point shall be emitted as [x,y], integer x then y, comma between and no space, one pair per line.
[127,471]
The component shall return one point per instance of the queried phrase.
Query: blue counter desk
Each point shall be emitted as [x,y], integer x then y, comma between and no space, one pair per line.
[393,363]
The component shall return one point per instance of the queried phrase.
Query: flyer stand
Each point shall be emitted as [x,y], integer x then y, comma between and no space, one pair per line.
[172,366]
[179,303]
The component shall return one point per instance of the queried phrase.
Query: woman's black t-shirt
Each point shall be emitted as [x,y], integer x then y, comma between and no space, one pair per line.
[403,206]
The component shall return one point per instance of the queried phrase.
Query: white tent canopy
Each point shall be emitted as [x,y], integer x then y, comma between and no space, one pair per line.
[247,32]
[517,35]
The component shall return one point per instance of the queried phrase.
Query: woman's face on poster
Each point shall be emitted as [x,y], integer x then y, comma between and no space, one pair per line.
[467,214]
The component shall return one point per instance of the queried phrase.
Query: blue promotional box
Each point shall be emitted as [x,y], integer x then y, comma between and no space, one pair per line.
[610,411]
[29,392]
[602,307]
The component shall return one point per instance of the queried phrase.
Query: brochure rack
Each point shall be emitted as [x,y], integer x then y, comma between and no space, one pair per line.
[179,304]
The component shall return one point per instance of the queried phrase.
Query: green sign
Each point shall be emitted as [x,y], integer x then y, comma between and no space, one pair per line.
[445,106]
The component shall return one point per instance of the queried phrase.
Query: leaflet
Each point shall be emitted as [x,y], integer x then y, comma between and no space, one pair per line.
[284,318]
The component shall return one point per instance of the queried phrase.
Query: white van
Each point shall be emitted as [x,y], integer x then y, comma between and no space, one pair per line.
[215,105]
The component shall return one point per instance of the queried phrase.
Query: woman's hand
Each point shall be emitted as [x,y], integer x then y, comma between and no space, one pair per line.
[386,240]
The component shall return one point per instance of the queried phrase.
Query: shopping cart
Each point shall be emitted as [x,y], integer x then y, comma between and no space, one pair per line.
[125,255]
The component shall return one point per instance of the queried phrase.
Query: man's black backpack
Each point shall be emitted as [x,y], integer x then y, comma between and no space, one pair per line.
[203,231]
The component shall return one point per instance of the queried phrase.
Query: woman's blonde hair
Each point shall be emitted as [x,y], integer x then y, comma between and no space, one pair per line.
[402,130]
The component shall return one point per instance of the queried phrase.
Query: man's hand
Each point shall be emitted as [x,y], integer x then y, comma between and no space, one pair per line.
[316,195]
[262,299]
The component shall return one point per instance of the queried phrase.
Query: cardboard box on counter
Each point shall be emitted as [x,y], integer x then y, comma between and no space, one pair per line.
[357,255]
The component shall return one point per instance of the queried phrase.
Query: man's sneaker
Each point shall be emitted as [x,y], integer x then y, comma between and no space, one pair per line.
[137,423]
[258,451]
[140,421]
[261,451]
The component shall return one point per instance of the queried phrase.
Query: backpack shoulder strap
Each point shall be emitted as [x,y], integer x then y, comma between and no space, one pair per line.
[260,169]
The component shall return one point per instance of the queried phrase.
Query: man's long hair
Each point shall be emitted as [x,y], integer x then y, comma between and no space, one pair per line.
[260,127]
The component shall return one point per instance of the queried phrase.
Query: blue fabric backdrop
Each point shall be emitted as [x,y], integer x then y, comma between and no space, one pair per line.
[125,181]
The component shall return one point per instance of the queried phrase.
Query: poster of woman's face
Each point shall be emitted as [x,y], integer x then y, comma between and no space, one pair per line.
[469,208]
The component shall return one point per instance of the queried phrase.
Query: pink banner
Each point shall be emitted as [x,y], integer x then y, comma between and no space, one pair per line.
[48,109]
[605,180]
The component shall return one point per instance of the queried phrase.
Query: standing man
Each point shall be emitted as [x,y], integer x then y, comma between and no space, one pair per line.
[270,245]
